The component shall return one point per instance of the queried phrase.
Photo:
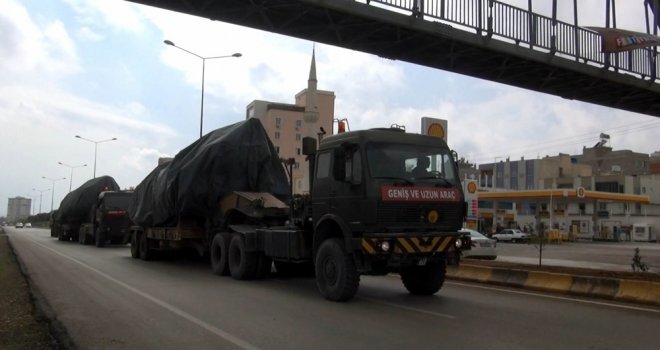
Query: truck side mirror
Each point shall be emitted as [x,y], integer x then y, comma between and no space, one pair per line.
[308,146]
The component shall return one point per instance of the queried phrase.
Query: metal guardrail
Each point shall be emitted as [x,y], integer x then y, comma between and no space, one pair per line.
[495,18]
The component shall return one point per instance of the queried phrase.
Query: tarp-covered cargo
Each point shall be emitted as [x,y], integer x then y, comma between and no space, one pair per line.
[238,157]
[76,206]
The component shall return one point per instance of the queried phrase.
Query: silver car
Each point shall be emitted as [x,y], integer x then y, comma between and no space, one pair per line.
[482,246]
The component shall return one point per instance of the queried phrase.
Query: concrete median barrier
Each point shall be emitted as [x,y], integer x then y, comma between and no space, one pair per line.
[636,291]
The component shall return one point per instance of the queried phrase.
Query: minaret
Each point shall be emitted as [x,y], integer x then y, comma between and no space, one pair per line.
[311,115]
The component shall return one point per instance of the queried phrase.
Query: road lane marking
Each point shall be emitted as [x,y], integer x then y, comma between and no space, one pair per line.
[217,331]
[583,301]
[408,308]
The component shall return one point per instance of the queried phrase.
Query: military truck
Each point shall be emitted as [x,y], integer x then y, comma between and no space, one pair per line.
[109,220]
[366,213]
[77,208]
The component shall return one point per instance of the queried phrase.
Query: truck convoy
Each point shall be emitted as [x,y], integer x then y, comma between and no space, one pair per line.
[227,196]
[93,213]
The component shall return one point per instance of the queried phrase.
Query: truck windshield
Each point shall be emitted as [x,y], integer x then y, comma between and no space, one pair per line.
[411,163]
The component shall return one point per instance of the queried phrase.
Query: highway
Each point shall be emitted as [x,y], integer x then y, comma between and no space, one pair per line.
[107,300]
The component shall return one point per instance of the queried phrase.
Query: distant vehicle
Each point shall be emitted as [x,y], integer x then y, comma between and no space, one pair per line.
[28,225]
[482,246]
[19,225]
[511,235]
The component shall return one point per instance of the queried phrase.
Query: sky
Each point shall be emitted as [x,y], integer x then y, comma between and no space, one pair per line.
[99,69]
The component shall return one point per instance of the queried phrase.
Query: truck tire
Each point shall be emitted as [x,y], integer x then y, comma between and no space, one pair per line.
[219,252]
[242,264]
[424,280]
[99,239]
[135,245]
[336,274]
[146,253]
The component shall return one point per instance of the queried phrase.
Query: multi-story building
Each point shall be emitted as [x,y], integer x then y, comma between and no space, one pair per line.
[312,114]
[598,168]
[18,209]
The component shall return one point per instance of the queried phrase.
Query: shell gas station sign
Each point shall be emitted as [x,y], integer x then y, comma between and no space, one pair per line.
[434,127]
[472,200]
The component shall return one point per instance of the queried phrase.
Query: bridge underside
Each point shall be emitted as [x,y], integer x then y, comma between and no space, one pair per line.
[402,37]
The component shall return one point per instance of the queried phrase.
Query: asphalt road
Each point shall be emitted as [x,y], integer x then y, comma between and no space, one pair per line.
[107,300]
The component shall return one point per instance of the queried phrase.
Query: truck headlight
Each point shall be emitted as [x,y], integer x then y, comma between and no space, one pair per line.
[385,246]
[458,243]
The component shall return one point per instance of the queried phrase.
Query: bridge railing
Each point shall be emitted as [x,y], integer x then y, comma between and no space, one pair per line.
[495,18]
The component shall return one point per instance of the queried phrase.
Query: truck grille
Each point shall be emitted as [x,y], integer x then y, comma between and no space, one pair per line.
[411,214]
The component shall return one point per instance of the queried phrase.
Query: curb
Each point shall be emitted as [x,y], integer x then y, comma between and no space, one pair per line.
[635,291]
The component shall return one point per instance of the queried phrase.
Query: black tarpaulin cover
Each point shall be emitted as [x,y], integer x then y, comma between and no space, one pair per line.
[76,206]
[238,157]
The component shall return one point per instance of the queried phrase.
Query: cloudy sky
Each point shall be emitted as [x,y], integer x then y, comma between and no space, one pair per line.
[99,69]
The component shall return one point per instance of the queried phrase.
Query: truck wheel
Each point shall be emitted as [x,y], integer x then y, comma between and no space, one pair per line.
[146,253]
[99,239]
[424,280]
[336,275]
[219,252]
[264,264]
[135,246]
[242,265]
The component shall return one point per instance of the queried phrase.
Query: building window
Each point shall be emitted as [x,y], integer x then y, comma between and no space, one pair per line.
[529,175]
[298,137]
[298,123]
[296,165]
[278,122]
[298,151]
[513,182]
[277,135]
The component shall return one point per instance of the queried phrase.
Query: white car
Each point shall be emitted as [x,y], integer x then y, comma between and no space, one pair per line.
[511,235]
[27,225]
[482,246]
[19,225]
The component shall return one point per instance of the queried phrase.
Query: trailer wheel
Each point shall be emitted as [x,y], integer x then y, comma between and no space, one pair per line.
[219,252]
[424,280]
[146,253]
[135,246]
[336,274]
[242,265]
[99,239]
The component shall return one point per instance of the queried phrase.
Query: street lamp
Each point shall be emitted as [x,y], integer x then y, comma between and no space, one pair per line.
[72,167]
[52,193]
[96,144]
[201,117]
[41,192]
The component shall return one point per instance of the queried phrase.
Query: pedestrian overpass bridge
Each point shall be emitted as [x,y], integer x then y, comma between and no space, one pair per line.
[485,39]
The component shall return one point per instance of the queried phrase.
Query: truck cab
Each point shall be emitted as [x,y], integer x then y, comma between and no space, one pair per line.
[393,201]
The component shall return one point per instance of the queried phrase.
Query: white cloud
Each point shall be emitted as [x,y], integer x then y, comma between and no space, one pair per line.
[88,34]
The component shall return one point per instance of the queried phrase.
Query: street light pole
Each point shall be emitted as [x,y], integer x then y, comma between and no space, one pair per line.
[72,167]
[41,192]
[201,117]
[96,143]
[52,193]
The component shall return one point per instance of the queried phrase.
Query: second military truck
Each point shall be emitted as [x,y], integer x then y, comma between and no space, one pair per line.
[367,213]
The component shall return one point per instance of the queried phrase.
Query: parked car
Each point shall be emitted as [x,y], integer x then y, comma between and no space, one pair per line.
[27,225]
[19,225]
[482,246]
[511,235]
